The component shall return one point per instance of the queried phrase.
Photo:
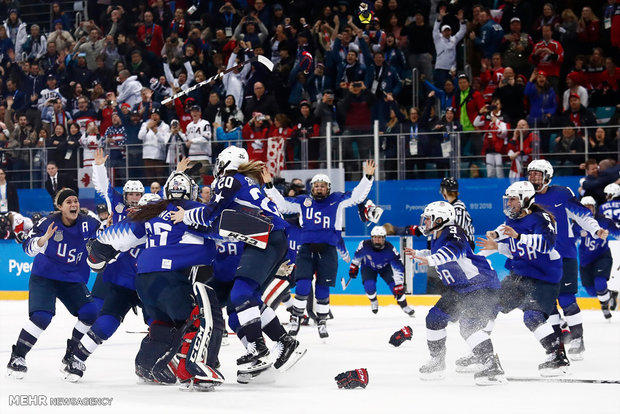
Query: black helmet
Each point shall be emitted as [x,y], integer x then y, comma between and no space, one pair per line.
[449,184]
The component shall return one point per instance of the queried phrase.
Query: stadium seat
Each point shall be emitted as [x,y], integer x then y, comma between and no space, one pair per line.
[603,114]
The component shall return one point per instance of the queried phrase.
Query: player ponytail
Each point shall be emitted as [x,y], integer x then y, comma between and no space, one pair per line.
[537,207]
[149,211]
[252,169]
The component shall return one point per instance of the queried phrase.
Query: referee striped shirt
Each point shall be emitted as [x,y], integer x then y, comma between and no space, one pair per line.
[463,219]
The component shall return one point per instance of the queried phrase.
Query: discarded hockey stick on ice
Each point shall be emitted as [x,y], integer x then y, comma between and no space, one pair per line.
[260,59]
[563,380]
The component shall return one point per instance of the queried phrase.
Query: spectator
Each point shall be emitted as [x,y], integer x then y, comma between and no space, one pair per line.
[543,104]
[175,145]
[53,115]
[234,81]
[229,134]
[280,149]
[77,70]
[548,56]
[51,92]
[578,115]
[491,35]
[306,130]
[184,79]
[24,136]
[92,47]
[518,9]
[205,194]
[60,37]
[132,123]
[415,145]
[9,201]
[138,67]
[85,114]
[161,14]
[510,94]
[102,75]
[129,88]
[155,187]
[445,95]
[597,177]
[568,147]
[146,104]
[199,137]
[115,139]
[517,47]
[35,45]
[90,141]
[151,34]
[395,57]
[154,134]
[260,101]
[444,142]
[16,31]
[67,152]
[57,14]
[566,34]
[255,135]
[468,103]
[213,107]
[574,88]
[597,147]
[16,99]
[445,45]
[58,137]
[56,180]
[491,121]
[228,110]
[491,77]
[548,17]
[351,70]
[611,75]
[588,29]
[519,147]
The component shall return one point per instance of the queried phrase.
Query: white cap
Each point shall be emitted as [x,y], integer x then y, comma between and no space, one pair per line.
[446,26]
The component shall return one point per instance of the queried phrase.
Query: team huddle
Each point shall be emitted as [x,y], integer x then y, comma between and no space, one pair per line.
[183,261]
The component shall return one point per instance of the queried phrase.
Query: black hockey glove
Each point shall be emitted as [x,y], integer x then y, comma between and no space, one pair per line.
[352,379]
[99,255]
[401,336]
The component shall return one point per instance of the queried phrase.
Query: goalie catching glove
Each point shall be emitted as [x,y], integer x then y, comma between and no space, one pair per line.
[352,379]
[401,336]
[99,255]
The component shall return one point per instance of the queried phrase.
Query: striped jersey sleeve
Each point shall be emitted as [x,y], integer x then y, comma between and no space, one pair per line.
[463,219]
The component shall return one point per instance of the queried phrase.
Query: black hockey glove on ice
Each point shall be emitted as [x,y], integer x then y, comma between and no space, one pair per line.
[401,336]
[352,379]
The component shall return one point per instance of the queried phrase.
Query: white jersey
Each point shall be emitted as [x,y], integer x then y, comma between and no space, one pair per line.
[199,133]
[47,94]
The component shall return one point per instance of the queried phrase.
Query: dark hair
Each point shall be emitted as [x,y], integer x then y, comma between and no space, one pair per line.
[538,208]
[150,210]
[52,162]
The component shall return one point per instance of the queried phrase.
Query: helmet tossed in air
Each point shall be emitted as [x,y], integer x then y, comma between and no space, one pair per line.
[545,168]
[148,198]
[524,191]
[440,213]
[449,184]
[377,235]
[230,159]
[320,178]
[612,191]
[180,186]
[132,186]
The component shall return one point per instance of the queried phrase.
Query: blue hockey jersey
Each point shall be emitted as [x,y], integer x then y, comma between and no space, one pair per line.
[113,198]
[167,246]
[123,271]
[235,192]
[367,256]
[321,220]
[226,261]
[63,257]
[561,202]
[611,210]
[458,267]
[591,248]
[533,254]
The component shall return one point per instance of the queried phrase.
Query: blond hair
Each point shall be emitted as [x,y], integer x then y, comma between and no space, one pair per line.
[253,169]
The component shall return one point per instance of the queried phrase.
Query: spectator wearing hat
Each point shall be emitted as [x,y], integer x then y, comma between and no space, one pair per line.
[77,70]
[491,35]
[445,46]
[468,104]
[543,103]
[578,115]
[60,36]
[16,31]
[548,55]
[51,92]
[129,88]
[516,47]
[154,134]
[151,34]
[572,82]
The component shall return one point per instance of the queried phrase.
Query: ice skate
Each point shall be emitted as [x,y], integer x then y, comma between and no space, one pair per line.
[294,325]
[74,369]
[492,373]
[322,327]
[556,364]
[16,368]
[69,351]
[434,369]
[374,306]
[613,300]
[408,310]
[288,351]
[467,364]
[254,362]
[576,350]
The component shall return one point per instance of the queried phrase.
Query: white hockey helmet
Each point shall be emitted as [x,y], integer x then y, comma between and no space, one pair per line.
[612,191]
[230,159]
[588,201]
[320,178]
[148,198]
[440,213]
[545,168]
[524,191]
[132,186]
[378,231]
[180,186]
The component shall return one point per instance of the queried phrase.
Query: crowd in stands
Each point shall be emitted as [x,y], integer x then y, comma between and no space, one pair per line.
[494,74]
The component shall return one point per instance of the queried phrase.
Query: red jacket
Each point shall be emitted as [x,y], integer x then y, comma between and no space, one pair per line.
[473,104]
[549,63]
[256,141]
[156,35]
[590,33]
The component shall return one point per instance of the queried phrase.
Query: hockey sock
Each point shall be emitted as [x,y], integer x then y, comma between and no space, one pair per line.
[402,301]
[436,323]
[322,301]
[555,320]
[302,291]
[270,324]
[29,335]
[542,329]
[489,327]
[87,315]
[603,297]
[573,316]
[250,321]
[480,344]
[287,301]
[103,328]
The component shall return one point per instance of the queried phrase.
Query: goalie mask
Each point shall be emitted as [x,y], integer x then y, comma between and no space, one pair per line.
[180,186]
[436,216]
[518,197]
[377,236]
[229,160]
[545,168]
[320,186]
[132,191]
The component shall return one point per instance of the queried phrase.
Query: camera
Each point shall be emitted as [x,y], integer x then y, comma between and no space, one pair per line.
[175,122]
[492,107]
[261,118]
[357,84]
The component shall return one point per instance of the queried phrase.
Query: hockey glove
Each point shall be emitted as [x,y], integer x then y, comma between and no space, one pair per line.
[414,231]
[401,336]
[353,269]
[352,379]
[99,255]
[20,236]
[399,289]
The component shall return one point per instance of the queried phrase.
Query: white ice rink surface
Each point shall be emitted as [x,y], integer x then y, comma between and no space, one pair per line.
[357,339]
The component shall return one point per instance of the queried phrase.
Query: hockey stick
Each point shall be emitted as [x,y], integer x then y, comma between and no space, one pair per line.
[345,284]
[259,58]
[563,380]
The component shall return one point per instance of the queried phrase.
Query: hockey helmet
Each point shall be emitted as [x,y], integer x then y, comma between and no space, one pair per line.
[132,186]
[524,192]
[440,214]
[588,201]
[612,191]
[377,235]
[229,160]
[148,198]
[320,178]
[180,186]
[545,168]
[448,184]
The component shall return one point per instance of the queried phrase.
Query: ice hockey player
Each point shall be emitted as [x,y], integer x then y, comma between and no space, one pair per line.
[595,261]
[470,297]
[527,238]
[562,204]
[611,208]
[321,214]
[379,257]
[59,271]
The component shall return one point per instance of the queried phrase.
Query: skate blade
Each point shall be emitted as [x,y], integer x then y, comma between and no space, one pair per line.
[470,369]
[553,372]
[191,386]
[433,376]
[293,359]
[576,357]
[257,366]
[18,375]
[69,377]
[265,376]
[494,380]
